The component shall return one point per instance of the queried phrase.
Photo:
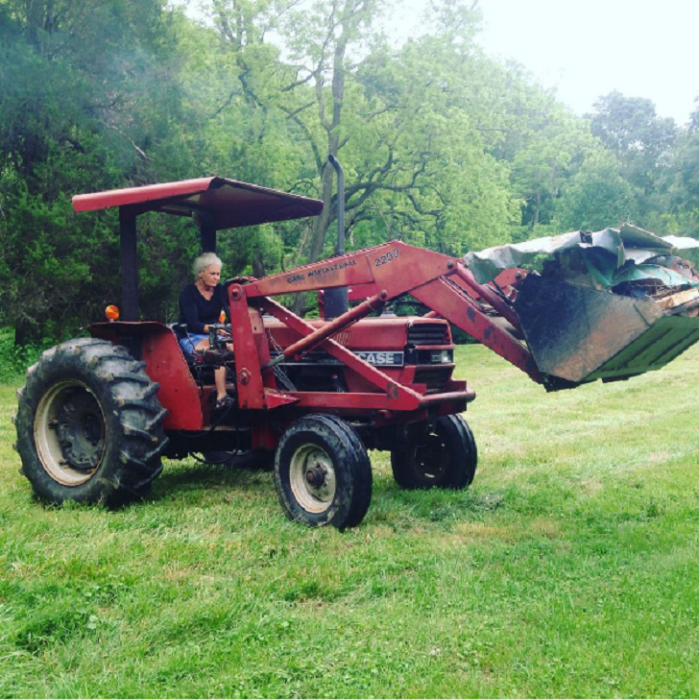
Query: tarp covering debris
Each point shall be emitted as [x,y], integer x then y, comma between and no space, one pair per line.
[604,305]
[600,259]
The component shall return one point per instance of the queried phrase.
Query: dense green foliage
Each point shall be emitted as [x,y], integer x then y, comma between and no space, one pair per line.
[568,569]
[442,145]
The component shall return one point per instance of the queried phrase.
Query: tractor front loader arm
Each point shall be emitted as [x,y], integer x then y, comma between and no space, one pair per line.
[388,271]
[451,301]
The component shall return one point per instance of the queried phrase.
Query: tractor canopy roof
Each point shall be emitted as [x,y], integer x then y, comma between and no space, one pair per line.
[225,203]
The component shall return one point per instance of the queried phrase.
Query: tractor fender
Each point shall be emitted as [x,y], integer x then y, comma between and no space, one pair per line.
[156,345]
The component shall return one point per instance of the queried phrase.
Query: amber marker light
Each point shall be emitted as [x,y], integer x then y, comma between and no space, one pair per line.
[222,317]
[112,312]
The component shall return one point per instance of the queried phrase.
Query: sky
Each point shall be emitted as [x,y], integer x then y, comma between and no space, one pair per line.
[588,48]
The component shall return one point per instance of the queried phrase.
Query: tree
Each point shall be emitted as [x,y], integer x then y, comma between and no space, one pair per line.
[554,149]
[597,196]
[642,141]
[423,167]
[78,113]
[406,125]
[442,146]
[683,181]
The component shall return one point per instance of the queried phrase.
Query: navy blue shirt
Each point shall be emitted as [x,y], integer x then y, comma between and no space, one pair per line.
[196,311]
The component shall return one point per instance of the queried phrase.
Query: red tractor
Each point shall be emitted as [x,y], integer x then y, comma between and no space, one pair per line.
[97,414]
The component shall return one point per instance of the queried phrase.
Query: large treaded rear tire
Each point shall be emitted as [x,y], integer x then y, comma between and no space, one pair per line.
[89,425]
[444,456]
[322,473]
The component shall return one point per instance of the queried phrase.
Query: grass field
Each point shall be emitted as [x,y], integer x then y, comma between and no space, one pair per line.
[570,568]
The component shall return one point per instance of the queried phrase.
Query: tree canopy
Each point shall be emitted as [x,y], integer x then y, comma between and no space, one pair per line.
[442,145]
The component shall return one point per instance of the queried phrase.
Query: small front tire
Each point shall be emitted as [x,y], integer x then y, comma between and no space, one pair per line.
[443,455]
[322,473]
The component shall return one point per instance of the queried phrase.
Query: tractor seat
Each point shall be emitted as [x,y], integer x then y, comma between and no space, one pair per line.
[179,329]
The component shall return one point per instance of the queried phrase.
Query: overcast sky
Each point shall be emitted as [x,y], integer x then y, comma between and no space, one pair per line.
[587,48]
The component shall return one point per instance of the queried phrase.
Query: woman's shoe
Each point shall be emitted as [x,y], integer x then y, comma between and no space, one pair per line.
[223,403]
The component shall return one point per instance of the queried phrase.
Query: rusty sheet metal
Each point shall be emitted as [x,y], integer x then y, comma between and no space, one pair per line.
[680,299]
[681,242]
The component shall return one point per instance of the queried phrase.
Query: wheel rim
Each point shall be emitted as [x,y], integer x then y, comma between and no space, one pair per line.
[70,433]
[428,459]
[312,478]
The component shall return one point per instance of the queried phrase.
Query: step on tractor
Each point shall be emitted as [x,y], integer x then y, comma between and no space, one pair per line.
[98,413]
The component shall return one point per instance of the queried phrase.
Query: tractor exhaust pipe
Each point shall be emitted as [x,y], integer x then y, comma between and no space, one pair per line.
[335,301]
[340,249]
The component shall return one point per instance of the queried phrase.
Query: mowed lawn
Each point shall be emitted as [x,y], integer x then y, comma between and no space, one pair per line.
[570,568]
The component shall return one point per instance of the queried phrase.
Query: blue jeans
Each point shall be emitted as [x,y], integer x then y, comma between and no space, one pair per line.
[189,342]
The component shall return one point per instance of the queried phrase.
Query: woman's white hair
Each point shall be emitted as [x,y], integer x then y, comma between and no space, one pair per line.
[203,261]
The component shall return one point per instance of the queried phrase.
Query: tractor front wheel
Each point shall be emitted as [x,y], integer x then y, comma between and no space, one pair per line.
[322,473]
[89,426]
[443,455]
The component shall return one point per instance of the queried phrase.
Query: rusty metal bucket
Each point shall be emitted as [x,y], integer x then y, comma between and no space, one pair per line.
[578,334]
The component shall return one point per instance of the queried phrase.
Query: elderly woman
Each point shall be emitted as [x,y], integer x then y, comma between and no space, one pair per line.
[201,304]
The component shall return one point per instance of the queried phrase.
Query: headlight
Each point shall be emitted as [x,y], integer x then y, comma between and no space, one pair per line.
[441,357]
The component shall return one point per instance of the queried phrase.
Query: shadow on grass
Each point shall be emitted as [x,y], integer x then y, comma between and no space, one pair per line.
[180,481]
[188,482]
[180,477]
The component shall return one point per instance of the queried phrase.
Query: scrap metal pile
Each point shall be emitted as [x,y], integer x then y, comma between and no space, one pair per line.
[604,305]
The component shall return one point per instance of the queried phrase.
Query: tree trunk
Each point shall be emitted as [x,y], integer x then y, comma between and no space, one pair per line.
[322,223]
[258,265]
[535,220]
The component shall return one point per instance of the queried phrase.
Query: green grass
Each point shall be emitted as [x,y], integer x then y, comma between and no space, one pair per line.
[570,568]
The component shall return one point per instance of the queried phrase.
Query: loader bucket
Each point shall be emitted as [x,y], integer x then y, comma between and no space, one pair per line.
[578,334]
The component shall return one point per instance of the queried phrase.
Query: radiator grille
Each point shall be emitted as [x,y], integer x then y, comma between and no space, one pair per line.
[428,334]
[434,377]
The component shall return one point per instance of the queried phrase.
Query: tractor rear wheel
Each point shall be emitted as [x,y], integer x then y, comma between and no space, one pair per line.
[444,455]
[322,473]
[89,425]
